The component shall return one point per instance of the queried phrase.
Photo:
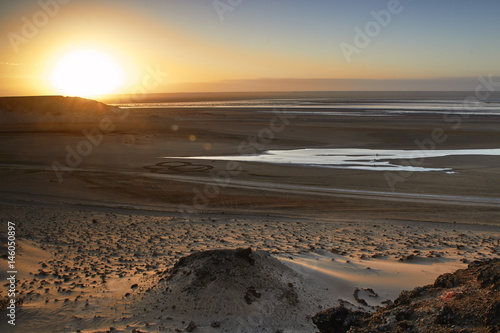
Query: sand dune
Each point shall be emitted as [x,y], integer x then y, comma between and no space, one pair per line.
[111,268]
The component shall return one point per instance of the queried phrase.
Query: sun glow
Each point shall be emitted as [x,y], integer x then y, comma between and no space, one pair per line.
[88,73]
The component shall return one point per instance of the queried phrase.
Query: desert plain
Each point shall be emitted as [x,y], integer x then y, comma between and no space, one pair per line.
[107,199]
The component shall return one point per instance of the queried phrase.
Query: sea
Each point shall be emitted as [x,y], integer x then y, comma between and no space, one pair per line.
[361,104]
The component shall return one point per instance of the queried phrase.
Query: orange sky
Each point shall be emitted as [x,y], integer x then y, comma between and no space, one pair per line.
[197,46]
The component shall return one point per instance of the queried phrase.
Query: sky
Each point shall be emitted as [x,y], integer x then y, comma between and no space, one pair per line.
[250,45]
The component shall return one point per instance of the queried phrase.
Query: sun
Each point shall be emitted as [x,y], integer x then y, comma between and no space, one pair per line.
[87,73]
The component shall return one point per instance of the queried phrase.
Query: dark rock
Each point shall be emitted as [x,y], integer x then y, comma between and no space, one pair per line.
[403,313]
[477,263]
[251,295]
[445,316]
[338,319]
[489,277]
[246,254]
[389,324]
[405,325]
[447,280]
[407,258]
[372,293]
[406,297]
[191,327]
[362,302]
[356,297]
[493,314]
[473,307]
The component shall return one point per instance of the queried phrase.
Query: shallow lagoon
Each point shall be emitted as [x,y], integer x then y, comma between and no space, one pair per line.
[355,158]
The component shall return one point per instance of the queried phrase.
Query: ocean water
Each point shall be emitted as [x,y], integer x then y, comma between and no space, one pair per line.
[348,107]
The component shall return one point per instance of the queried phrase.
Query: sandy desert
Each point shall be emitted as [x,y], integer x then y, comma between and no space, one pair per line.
[101,236]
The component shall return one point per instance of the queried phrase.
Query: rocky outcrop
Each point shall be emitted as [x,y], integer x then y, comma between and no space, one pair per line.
[465,301]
